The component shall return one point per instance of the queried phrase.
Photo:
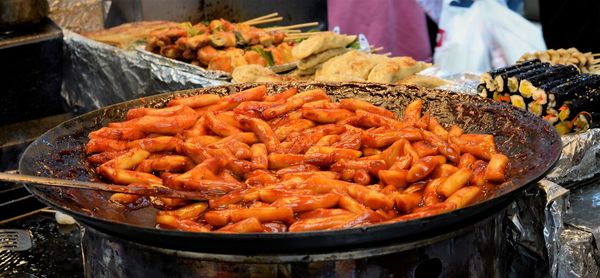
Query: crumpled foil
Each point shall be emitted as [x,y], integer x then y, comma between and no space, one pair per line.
[578,160]
[97,75]
[77,15]
[535,222]
[578,255]
[465,83]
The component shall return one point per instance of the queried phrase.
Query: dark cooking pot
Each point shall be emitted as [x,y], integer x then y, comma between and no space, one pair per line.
[532,145]
[19,12]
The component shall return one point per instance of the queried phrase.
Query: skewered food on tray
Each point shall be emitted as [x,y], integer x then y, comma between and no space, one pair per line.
[558,93]
[129,35]
[585,62]
[295,161]
[320,43]
[221,45]
[353,65]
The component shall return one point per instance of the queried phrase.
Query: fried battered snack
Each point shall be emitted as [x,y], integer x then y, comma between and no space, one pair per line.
[585,62]
[395,69]
[352,66]
[129,34]
[221,45]
[320,43]
[294,161]
[255,73]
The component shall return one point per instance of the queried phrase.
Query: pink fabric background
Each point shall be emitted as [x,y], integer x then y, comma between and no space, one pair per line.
[397,25]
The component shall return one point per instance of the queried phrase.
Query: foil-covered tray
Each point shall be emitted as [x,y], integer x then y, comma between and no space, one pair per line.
[97,75]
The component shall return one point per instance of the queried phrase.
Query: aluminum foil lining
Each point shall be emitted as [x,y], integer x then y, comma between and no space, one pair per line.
[585,208]
[578,256]
[579,158]
[97,75]
[78,15]
[465,83]
[535,225]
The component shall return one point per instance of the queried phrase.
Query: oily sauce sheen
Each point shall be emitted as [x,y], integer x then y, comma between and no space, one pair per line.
[294,161]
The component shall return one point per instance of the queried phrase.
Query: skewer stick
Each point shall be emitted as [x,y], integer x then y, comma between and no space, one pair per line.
[304,34]
[260,18]
[297,37]
[149,191]
[287,39]
[300,35]
[376,49]
[275,19]
[308,24]
[387,54]
[292,31]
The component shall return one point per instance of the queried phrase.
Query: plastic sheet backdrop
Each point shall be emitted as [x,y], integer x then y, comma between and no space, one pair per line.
[98,75]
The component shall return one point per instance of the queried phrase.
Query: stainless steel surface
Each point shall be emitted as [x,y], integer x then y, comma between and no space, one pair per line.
[469,251]
[18,12]
[55,250]
[153,191]
[31,73]
[25,35]
[14,240]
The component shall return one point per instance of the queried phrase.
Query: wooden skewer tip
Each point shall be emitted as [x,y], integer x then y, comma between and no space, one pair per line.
[308,24]
[261,17]
[270,20]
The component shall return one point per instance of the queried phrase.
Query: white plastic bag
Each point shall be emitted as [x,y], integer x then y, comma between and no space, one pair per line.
[483,36]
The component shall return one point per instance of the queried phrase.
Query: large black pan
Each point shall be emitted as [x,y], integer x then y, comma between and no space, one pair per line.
[532,145]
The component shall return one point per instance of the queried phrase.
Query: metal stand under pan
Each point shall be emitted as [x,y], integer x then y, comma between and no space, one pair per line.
[476,250]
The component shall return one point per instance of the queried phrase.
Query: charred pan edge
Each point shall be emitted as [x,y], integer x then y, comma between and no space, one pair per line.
[532,144]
